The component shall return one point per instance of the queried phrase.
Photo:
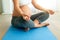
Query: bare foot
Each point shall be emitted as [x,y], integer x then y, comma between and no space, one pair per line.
[27,29]
[41,25]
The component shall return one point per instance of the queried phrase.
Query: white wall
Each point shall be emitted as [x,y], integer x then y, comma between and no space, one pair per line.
[49,4]
[7,6]
[58,5]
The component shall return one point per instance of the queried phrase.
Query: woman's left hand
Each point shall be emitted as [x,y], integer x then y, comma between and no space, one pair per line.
[50,12]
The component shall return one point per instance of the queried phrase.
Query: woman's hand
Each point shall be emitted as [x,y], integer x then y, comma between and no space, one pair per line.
[26,17]
[50,12]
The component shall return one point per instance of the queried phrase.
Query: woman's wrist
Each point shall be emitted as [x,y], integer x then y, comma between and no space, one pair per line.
[45,10]
[21,14]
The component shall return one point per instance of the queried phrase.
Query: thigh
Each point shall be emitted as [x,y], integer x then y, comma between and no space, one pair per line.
[43,16]
[16,22]
[33,17]
[20,22]
[29,24]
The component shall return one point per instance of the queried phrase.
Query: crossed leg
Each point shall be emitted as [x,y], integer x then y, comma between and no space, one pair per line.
[38,19]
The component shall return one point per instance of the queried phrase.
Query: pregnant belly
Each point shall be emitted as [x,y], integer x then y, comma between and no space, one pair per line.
[26,10]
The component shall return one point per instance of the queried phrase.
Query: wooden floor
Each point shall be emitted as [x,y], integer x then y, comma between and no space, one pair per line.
[54,26]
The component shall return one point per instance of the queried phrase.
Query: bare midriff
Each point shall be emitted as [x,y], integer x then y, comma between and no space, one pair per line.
[25,9]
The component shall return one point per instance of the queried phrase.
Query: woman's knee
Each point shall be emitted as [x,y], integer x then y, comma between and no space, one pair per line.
[30,24]
[43,16]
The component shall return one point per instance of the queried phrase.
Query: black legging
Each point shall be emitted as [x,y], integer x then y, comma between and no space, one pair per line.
[42,16]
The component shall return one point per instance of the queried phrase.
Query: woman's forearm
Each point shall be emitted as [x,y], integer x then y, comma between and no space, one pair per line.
[40,8]
[16,7]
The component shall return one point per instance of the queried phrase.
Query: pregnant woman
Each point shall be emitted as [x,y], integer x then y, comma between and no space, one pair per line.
[22,17]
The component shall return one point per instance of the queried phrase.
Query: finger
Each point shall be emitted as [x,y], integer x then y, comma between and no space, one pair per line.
[28,19]
[51,12]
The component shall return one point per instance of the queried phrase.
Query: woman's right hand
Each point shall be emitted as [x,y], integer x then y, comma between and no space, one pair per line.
[26,17]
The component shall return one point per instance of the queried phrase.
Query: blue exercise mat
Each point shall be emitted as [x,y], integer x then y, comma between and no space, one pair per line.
[34,34]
